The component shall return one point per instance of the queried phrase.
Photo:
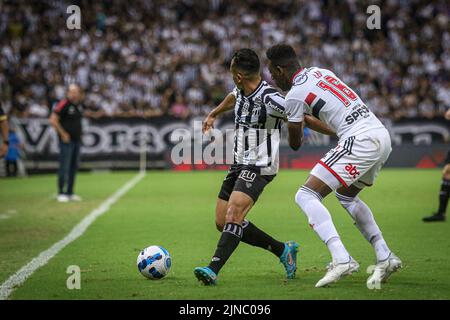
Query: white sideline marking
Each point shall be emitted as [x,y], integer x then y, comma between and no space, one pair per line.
[27,270]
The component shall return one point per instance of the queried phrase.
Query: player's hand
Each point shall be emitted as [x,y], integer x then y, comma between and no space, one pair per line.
[65,137]
[208,123]
[3,150]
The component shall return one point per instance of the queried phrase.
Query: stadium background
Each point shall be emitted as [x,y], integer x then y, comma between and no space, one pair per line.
[148,67]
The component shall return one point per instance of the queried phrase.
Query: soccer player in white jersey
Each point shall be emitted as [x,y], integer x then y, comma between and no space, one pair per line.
[259,115]
[364,146]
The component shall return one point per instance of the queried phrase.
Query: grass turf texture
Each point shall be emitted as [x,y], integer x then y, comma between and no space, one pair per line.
[176,210]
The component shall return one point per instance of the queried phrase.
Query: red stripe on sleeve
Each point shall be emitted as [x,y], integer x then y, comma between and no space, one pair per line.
[334,174]
[310,98]
[60,106]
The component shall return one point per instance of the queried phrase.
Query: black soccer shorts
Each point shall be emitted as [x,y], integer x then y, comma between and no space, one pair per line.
[246,179]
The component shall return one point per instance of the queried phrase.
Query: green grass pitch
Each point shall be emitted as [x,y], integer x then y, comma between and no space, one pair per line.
[176,210]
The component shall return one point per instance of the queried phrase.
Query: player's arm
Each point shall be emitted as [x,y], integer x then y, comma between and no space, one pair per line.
[295,116]
[55,123]
[226,105]
[295,138]
[4,132]
[317,125]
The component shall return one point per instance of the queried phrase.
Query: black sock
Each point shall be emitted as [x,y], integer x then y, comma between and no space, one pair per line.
[258,238]
[443,196]
[228,242]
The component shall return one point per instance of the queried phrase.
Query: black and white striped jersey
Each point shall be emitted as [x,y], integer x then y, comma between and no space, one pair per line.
[258,118]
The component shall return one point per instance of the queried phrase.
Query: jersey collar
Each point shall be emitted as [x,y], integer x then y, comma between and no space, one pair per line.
[296,74]
[254,91]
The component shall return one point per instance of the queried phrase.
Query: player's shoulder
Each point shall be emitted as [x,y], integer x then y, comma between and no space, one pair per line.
[271,98]
[60,105]
[305,81]
[235,92]
[267,89]
[301,81]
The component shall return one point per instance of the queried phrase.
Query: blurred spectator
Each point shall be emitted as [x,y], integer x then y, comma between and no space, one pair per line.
[179,109]
[135,58]
[13,155]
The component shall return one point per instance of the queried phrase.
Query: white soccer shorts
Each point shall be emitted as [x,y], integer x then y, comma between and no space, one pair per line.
[356,160]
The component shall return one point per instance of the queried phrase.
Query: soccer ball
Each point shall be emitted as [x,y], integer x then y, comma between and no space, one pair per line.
[154,262]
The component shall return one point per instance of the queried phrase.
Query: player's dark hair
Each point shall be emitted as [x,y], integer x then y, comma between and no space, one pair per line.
[246,60]
[283,55]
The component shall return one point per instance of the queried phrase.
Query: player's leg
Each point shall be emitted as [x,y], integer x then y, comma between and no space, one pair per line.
[14,168]
[237,208]
[332,172]
[371,156]
[309,198]
[64,164]
[247,187]
[73,167]
[252,234]
[364,220]
[444,194]
[387,261]
[8,168]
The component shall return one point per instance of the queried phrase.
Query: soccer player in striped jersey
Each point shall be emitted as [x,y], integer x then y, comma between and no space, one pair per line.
[364,146]
[259,114]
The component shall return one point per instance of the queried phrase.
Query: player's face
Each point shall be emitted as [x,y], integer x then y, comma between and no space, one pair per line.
[237,76]
[279,76]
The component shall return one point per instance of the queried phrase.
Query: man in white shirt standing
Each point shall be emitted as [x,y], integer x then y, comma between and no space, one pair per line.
[363,148]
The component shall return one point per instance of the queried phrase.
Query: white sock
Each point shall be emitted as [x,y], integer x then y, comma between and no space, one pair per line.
[338,251]
[320,220]
[381,249]
[365,222]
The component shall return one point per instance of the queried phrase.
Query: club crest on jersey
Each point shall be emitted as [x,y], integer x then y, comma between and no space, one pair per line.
[71,110]
[245,107]
[352,171]
[301,79]
[247,176]
[257,103]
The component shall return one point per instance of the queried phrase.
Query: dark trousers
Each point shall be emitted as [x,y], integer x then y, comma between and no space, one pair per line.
[11,168]
[69,156]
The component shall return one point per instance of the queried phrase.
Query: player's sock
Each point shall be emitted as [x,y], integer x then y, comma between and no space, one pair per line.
[320,220]
[258,238]
[365,222]
[337,250]
[443,196]
[228,242]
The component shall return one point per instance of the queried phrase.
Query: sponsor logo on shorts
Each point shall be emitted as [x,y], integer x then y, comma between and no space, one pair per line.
[248,185]
[247,175]
[352,171]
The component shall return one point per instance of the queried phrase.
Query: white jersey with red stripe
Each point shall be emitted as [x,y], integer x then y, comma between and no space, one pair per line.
[319,92]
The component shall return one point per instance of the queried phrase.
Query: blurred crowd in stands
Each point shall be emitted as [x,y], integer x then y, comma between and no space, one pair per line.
[150,58]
